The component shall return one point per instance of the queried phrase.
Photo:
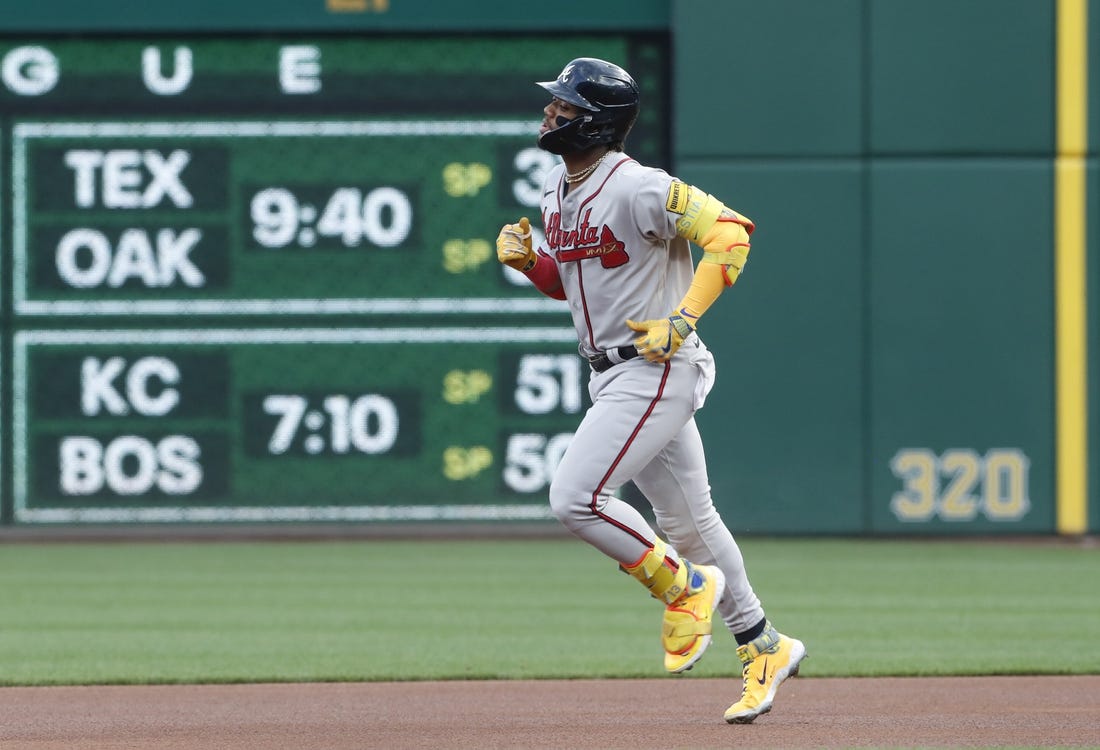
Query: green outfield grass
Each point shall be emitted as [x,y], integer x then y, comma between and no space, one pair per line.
[387,610]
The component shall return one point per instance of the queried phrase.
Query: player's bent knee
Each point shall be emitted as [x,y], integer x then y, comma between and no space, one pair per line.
[570,505]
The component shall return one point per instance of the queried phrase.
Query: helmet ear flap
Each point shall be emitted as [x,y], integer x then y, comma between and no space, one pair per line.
[586,128]
[567,138]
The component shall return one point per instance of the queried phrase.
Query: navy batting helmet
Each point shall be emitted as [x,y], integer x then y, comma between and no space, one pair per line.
[608,96]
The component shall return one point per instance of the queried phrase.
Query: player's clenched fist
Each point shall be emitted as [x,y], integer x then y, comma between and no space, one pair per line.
[514,246]
[660,338]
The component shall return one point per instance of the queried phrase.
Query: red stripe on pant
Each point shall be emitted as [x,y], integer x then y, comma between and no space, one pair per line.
[618,458]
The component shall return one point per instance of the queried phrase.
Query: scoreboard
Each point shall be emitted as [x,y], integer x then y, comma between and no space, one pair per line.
[287,217]
[253,278]
[221,424]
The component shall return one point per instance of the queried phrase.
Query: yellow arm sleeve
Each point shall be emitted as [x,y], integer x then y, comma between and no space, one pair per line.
[707,286]
[724,236]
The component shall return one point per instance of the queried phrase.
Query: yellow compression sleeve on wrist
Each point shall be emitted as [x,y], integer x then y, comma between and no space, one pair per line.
[706,287]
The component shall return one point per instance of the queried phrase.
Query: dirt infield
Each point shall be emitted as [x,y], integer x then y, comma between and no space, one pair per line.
[635,714]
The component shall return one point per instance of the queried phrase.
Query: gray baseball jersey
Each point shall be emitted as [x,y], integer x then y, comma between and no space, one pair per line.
[615,246]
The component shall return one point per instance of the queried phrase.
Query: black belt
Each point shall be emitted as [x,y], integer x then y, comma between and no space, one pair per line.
[602,362]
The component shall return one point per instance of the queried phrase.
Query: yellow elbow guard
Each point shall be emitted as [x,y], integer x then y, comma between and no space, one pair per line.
[704,220]
[727,244]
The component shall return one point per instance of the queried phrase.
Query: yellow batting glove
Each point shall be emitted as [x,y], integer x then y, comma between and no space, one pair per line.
[661,338]
[514,246]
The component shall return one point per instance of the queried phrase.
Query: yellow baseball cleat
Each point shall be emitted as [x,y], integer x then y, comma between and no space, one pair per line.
[769,659]
[686,629]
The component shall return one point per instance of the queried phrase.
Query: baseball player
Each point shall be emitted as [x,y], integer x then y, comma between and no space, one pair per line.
[617,249]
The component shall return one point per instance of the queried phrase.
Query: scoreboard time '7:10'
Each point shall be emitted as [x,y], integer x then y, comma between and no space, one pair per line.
[137,422]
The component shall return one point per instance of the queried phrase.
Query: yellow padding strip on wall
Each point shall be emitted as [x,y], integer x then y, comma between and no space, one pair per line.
[1070,269]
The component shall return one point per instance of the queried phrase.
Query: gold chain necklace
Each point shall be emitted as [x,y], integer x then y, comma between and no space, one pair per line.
[578,176]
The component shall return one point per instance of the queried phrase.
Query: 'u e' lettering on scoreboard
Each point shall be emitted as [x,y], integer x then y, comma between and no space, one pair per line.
[254,278]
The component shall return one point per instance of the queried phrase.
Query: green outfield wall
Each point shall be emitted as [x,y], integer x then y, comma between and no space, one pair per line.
[247,269]
[891,358]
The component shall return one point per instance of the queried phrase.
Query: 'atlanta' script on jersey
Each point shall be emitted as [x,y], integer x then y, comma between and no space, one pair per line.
[586,241]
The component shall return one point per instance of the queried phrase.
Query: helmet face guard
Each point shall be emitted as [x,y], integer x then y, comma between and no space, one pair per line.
[609,98]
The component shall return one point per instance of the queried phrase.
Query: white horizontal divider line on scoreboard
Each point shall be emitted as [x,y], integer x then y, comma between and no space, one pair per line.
[288,513]
[215,337]
[218,336]
[394,306]
[281,129]
[23,131]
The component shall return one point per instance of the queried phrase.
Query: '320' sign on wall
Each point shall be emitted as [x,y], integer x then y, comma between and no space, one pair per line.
[960,484]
